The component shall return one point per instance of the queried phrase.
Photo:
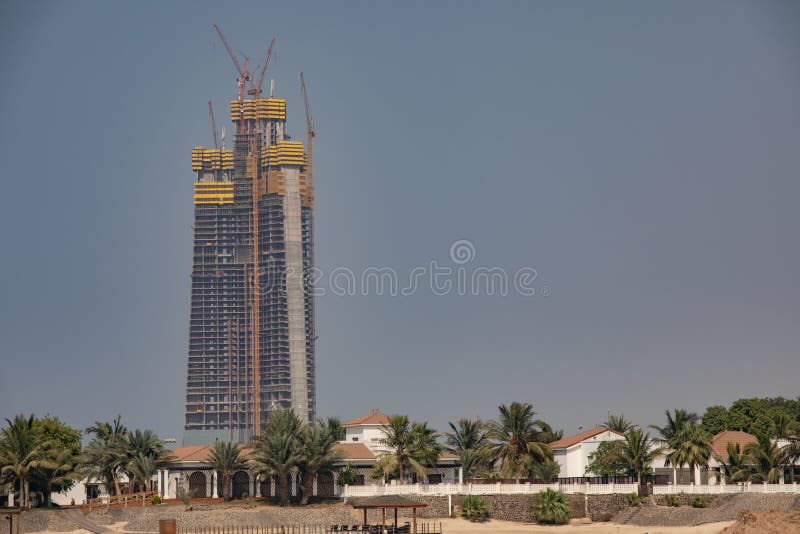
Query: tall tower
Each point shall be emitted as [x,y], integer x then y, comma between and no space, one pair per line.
[251,334]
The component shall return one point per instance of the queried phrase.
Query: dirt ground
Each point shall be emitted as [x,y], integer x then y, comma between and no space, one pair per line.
[461,526]
[765,523]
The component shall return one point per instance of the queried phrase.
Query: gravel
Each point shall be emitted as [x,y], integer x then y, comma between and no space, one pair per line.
[726,510]
[208,516]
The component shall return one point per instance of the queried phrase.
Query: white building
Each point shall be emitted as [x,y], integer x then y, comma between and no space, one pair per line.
[573,453]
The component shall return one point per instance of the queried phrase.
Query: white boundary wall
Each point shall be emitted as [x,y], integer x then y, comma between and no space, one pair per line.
[483,489]
[674,489]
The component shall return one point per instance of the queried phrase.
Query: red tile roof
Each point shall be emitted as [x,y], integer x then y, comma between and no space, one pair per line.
[374,418]
[719,443]
[198,453]
[580,436]
[354,451]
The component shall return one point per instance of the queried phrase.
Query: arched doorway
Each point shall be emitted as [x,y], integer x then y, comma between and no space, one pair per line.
[197,485]
[241,484]
[325,487]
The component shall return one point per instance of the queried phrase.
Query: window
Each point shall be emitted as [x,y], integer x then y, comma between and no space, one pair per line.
[355,438]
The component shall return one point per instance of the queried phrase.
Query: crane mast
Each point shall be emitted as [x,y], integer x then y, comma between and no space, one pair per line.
[213,124]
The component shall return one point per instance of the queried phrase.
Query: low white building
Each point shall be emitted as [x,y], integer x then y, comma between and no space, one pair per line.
[360,450]
[573,452]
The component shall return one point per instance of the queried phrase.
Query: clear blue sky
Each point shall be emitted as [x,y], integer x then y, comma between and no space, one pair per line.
[642,157]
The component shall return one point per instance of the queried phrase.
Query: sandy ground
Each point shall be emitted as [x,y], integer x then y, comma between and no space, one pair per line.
[460,526]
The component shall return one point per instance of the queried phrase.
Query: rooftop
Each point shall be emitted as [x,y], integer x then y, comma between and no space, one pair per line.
[372,418]
[719,443]
[574,439]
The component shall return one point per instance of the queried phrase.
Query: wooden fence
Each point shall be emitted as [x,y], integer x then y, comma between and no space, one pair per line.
[422,528]
[126,500]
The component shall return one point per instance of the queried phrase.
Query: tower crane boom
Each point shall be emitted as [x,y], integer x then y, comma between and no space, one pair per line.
[256,90]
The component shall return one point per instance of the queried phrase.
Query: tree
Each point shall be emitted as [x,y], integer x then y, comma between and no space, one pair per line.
[105,457]
[334,426]
[735,467]
[609,460]
[516,440]
[618,423]
[716,419]
[411,447]
[546,471]
[318,454]
[639,451]
[675,422]
[57,470]
[144,452]
[691,446]
[277,450]
[548,435]
[226,459]
[784,426]
[21,451]
[767,460]
[467,440]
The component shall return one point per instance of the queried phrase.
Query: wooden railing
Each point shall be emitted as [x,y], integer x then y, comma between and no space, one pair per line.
[422,528]
[125,500]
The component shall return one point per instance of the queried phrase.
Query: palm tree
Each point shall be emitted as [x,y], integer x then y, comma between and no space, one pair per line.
[141,469]
[334,426]
[516,440]
[784,426]
[411,446]
[547,471]
[57,467]
[548,435]
[277,451]
[105,457]
[618,423]
[468,441]
[639,451]
[691,445]
[551,507]
[21,451]
[767,458]
[318,454]
[676,422]
[736,468]
[144,452]
[226,459]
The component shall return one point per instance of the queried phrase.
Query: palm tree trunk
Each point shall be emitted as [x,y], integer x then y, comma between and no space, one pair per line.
[308,488]
[283,486]
[116,485]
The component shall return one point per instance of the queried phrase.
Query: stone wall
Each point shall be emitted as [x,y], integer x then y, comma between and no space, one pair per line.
[507,507]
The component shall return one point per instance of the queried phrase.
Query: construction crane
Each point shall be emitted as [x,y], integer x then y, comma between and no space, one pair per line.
[213,124]
[310,134]
[256,89]
[244,73]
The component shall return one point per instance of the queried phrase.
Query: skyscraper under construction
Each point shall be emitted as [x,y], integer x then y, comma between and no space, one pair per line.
[251,333]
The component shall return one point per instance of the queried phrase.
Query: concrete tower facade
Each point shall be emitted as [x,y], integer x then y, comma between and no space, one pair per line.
[251,334]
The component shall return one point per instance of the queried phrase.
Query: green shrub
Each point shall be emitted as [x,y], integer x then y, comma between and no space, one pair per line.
[699,502]
[672,500]
[185,495]
[634,499]
[348,476]
[551,507]
[155,500]
[474,508]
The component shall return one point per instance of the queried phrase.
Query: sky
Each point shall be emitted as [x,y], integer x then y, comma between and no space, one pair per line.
[641,158]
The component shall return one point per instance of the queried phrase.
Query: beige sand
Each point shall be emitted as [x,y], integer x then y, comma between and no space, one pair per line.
[460,526]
